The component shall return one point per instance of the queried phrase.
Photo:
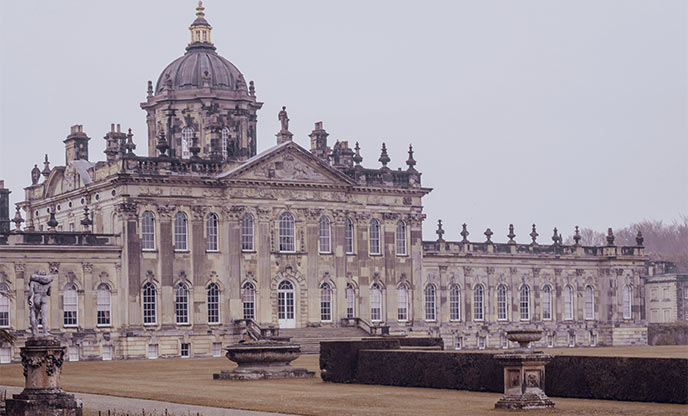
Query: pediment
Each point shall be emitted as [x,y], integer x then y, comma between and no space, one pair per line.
[289,163]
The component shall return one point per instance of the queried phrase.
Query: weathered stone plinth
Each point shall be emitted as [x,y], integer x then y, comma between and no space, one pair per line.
[524,373]
[263,359]
[42,396]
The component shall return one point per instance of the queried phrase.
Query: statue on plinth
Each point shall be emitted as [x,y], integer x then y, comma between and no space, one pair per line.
[39,291]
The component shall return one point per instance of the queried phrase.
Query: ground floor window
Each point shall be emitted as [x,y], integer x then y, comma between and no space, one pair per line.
[505,341]
[107,352]
[185,350]
[5,355]
[458,342]
[74,353]
[550,341]
[152,351]
[217,349]
[593,339]
[481,343]
[572,340]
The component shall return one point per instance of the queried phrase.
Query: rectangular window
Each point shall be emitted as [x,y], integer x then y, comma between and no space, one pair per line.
[5,355]
[185,350]
[402,304]
[152,351]
[458,343]
[350,295]
[349,234]
[547,303]
[217,349]
[550,341]
[374,237]
[103,307]
[4,307]
[593,339]
[71,226]
[653,295]
[107,352]
[70,307]
[247,233]
[665,293]
[505,341]
[481,343]
[73,353]
[667,315]
[572,340]
[685,292]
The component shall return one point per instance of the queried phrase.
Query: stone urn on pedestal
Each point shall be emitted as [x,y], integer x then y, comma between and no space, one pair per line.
[524,373]
[263,359]
[42,360]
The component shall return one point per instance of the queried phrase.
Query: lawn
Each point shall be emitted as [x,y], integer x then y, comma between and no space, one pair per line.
[190,381]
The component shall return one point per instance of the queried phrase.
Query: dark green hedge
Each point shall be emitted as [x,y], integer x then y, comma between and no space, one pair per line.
[662,380]
[675,333]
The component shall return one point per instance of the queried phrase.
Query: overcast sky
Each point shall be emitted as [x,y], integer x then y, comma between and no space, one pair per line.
[548,112]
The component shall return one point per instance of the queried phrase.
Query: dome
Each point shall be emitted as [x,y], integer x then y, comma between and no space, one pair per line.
[190,70]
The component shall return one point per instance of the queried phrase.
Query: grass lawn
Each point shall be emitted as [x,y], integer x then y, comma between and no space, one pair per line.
[190,381]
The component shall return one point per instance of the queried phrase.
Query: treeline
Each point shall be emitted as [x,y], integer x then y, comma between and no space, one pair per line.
[668,242]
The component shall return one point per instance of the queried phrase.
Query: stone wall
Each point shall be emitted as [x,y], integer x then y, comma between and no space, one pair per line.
[668,334]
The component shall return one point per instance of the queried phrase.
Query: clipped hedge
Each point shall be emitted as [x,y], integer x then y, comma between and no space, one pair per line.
[662,380]
[675,333]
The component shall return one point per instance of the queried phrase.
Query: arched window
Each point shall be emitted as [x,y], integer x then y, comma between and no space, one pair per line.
[211,243]
[524,303]
[501,303]
[325,302]
[589,303]
[4,306]
[247,232]
[627,302]
[349,236]
[402,303]
[180,232]
[187,142]
[249,300]
[286,233]
[70,301]
[148,231]
[225,137]
[325,235]
[213,303]
[375,303]
[401,238]
[350,300]
[103,305]
[374,237]
[568,303]
[455,303]
[478,303]
[430,303]
[181,304]
[547,303]
[149,304]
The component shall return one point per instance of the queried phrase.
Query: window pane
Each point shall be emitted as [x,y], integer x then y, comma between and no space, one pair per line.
[374,237]
[187,139]
[211,233]
[375,303]
[249,300]
[349,236]
[478,302]
[589,303]
[247,232]
[455,303]
[325,302]
[324,235]
[501,303]
[181,304]
[401,238]
[149,304]
[568,303]
[430,303]
[402,300]
[547,303]
[103,300]
[148,231]
[213,304]
[180,231]
[525,303]
[286,232]
[350,299]
[70,306]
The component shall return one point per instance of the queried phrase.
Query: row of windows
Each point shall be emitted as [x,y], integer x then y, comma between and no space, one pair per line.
[181,303]
[287,234]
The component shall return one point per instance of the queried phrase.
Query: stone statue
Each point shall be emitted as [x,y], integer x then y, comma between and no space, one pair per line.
[282,117]
[39,290]
[35,175]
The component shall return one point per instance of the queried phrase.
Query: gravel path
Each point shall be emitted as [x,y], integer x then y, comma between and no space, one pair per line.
[101,402]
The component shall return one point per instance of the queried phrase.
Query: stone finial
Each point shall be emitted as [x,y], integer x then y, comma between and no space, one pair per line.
[86,221]
[130,146]
[357,156]
[46,167]
[577,237]
[610,237]
[411,162]
[464,233]
[556,237]
[534,235]
[35,175]
[17,220]
[384,157]
[251,89]
[149,90]
[440,231]
[488,233]
[162,145]
[511,234]
[52,222]
[639,239]
[195,149]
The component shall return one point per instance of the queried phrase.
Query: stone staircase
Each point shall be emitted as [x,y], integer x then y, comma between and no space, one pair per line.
[309,338]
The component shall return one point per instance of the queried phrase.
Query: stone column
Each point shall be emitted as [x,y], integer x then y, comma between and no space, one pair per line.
[42,360]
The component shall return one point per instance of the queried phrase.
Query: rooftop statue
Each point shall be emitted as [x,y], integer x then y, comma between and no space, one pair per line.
[39,290]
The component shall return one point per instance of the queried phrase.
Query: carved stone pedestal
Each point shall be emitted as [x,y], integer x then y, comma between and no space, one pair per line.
[42,396]
[524,381]
[263,359]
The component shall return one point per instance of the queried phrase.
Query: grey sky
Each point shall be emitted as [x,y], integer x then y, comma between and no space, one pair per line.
[554,113]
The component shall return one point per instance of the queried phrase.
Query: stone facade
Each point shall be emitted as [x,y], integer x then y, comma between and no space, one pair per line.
[666,293]
[203,231]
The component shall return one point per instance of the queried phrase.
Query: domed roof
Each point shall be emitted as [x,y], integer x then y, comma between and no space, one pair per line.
[198,63]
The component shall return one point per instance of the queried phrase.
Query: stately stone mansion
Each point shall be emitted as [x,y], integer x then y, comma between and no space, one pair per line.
[203,240]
